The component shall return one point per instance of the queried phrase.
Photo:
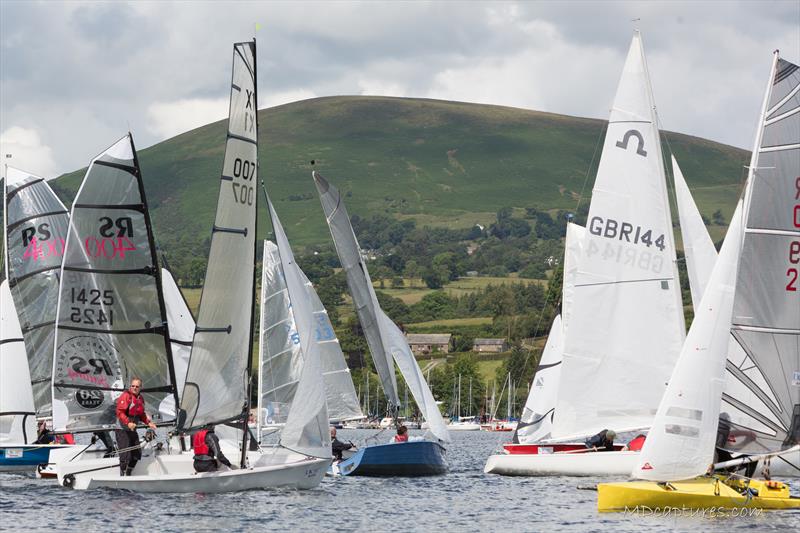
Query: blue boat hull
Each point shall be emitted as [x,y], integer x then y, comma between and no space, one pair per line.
[24,457]
[418,458]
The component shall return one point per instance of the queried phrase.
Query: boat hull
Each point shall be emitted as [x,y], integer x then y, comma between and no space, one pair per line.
[26,457]
[418,458]
[617,463]
[698,493]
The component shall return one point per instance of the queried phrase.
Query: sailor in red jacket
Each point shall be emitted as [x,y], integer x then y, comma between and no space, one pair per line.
[130,413]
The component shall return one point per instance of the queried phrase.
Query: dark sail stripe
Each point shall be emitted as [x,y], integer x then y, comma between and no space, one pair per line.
[160,330]
[229,230]
[37,326]
[16,223]
[622,282]
[8,341]
[13,193]
[240,138]
[787,70]
[545,367]
[129,207]
[162,388]
[126,168]
[16,281]
[145,270]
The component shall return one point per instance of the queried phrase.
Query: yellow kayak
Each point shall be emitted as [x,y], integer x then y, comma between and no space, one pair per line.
[707,492]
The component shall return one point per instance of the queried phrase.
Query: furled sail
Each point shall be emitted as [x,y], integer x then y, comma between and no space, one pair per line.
[111,321]
[280,358]
[181,331]
[35,229]
[306,428]
[627,312]
[698,248]
[217,379]
[359,282]
[680,444]
[762,394]
[17,415]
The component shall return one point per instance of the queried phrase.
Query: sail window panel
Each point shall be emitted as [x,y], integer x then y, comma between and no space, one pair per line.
[681,430]
[737,391]
[36,244]
[775,191]
[39,296]
[110,186]
[781,132]
[682,412]
[106,239]
[743,363]
[788,77]
[31,200]
[761,296]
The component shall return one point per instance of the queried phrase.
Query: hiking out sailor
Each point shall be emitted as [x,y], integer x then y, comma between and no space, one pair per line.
[130,413]
[337,446]
[603,441]
[207,453]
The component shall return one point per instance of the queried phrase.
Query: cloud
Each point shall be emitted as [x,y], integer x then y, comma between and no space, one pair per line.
[27,151]
[167,119]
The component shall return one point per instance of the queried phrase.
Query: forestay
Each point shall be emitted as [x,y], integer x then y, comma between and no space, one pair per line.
[181,331]
[111,321]
[217,378]
[627,313]
[762,395]
[306,428]
[359,283]
[280,358]
[35,229]
[17,416]
[680,445]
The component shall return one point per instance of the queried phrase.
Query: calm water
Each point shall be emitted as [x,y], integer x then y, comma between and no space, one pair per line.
[464,500]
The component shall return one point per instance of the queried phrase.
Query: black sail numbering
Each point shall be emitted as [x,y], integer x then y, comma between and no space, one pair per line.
[217,380]
[111,323]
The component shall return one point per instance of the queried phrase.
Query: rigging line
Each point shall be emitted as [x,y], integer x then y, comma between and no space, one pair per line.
[597,145]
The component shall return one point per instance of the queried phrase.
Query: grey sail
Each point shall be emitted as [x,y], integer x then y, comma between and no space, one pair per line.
[181,331]
[762,395]
[359,283]
[35,229]
[217,378]
[280,357]
[111,320]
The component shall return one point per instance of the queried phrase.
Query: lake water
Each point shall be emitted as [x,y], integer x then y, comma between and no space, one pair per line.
[466,499]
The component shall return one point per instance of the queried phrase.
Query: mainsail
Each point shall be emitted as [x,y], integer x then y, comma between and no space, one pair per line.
[17,416]
[217,380]
[280,357]
[627,313]
[35,229]
[111,320]
[360,284]
[306,428]
[181,331]
[762,394]
[384,338]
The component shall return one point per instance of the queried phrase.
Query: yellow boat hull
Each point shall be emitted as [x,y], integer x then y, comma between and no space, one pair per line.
[698,493]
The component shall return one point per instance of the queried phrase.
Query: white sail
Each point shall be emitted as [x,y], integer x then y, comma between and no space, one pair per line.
[306,428]
[181,331]
[217,379]
[280,358]
[573,248]
[111,319]
[627,316]
[762,394]
[35,229]
[680,445]
[17,412]
[698,248]
[359,283]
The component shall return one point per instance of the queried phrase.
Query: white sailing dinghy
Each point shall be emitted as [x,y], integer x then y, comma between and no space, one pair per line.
[34,229]
[626,326]
[388,346]
[217,386]
[750,408]
[280,357]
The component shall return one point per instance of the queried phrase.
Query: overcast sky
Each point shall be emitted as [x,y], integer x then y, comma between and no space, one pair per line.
[75,76]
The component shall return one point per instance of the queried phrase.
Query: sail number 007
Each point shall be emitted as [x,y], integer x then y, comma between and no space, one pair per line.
[243,192]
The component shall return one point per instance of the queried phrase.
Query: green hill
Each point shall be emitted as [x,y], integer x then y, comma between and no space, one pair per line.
[441,163]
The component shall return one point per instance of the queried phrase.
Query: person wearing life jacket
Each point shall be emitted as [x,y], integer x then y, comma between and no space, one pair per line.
[402,434]
[130,413]
[207,453]
[635,444]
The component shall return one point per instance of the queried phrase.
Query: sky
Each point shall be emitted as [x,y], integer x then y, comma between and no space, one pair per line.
[76,76]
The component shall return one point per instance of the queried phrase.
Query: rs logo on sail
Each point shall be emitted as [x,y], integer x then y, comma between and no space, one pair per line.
[115,239]
[34,239]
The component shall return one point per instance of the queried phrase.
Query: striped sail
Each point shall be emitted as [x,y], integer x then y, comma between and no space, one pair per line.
[217,378]
[111,320]
[35,229]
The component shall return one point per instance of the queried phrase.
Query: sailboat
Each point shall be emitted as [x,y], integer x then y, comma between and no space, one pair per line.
[388,346]
[34,229]
[280,358]
[626,324]
[216,390]
[752,294]
[463,423]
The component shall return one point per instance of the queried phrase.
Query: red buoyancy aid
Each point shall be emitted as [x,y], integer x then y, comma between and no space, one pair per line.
[130,407]
[401,438]
[636,444]
[199,442]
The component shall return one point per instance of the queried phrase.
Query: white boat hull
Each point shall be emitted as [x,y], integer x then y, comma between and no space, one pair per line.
[563,464]
[463,426]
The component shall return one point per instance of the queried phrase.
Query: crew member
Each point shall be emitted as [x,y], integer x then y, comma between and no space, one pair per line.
[130,413]
[207,453]
[402,434]
[603,441]
[337,446]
